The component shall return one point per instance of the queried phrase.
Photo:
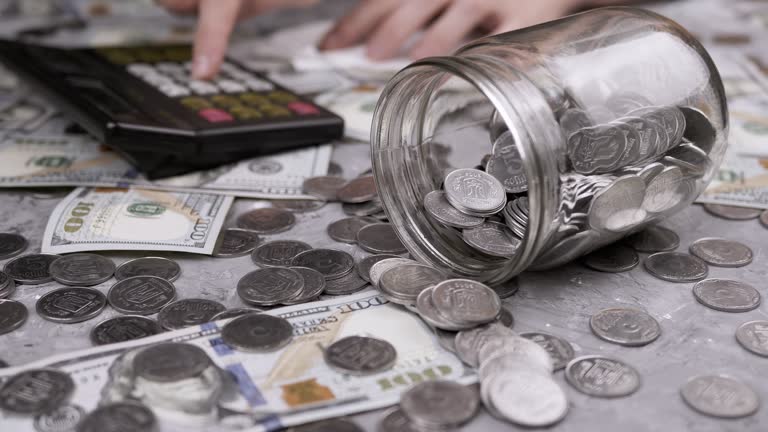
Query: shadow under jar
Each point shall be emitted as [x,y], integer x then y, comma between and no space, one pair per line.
[597,125]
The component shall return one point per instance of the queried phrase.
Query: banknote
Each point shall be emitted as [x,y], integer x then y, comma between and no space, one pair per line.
[257,392]
[355,105]
[34,160]
[91,219]
[740,181]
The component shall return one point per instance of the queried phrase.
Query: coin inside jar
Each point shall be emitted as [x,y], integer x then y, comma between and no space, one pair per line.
[257,333]
[474,192]
[360,355]
[438,207]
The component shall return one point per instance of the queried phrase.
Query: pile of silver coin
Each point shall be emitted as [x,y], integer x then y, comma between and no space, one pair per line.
[618,175]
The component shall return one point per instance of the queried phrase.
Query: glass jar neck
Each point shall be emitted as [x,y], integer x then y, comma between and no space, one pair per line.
[396,130]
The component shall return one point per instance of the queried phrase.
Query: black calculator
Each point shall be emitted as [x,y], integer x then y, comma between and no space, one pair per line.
[141,101]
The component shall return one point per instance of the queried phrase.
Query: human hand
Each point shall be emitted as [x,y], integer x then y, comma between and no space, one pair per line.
[386,25]
[216,19]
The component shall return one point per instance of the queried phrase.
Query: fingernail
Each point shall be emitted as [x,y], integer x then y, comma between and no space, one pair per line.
[201,67]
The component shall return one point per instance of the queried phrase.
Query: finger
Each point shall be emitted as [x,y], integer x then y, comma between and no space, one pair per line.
[449,30]
[390,36]
[215,24]
[351,29]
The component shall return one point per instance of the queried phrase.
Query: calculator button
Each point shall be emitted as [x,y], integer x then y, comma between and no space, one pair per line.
[303,108]
[215,115]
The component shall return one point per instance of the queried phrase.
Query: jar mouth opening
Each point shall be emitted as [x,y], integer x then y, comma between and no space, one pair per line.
[409,160]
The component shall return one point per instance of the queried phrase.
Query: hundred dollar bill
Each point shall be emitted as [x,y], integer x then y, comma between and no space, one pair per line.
[256,391]
[91,219]
[79,160]
[741,181]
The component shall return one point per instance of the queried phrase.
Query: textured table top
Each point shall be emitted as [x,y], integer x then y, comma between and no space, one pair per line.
[695,340]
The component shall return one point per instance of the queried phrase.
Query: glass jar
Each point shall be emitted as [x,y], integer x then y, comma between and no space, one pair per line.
[602,123]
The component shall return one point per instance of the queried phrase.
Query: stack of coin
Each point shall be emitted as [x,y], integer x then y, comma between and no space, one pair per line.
[516,215]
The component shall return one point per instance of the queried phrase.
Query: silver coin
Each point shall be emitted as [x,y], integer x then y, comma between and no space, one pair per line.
[395,420]
[13,315]
[599,149]
[474,192]
[511,347]
[559,349]
[325,187]
[507,289]
[368,208]
[345,230]
[267,220]
[235,312]
[171,362]
[11,245]
[438,207]
[299,206]
[360,355]
[332,263]
[30,269]
[466,301]
[429,313]
[404,283]
[82,269]
[257,333]
[270,286]
[363,266]
[663,192]
[314,285]
[506,164]
[7,285]
[612,259]
[141,295]
[764,218]
[572,120]
[380,267]
[120,416]
[468,342]
[123,328]
[149,266]
[654,239]
[721,252]
[726,295]
[359,190]
[698,128]
[71,305]
[676,267]
[720,396]
[380,238]
[330,425]
[602,376]
[278,253]
[753,336]
[66,417]
[505,318]
[617,208]
[348,284]
[528,398]
[439,403]
[732,212]
[691,160]
[623,326]
[492,238]
[36,391]
[188,312]
[235,242]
